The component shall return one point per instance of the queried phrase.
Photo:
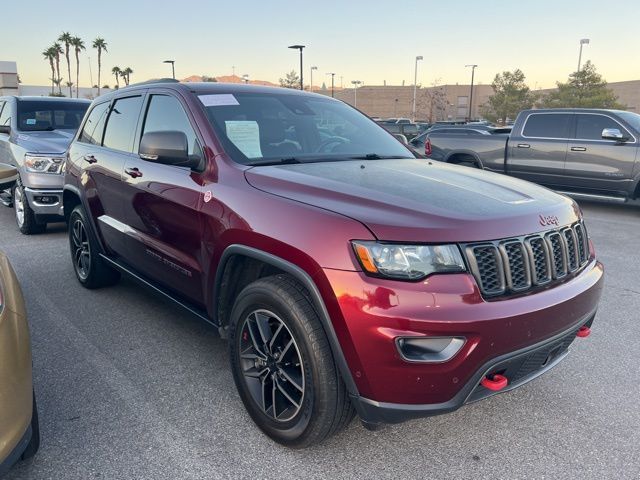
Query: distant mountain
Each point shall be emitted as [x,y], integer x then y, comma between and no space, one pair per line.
[229,79]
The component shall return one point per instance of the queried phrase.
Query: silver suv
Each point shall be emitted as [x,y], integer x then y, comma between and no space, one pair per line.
[34,135]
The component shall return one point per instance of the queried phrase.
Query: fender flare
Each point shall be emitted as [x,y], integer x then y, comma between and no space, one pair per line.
[464,152]
[316,298]
[76,191]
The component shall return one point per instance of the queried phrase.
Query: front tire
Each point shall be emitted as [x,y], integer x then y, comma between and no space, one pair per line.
[90,269]
[283,366]
[25,217]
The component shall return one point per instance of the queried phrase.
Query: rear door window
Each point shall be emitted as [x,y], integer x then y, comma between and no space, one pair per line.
[547,125]
[590,127]
[121,124]
[94,126]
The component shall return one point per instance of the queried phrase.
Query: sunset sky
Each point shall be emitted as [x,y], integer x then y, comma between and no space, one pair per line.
[371,41]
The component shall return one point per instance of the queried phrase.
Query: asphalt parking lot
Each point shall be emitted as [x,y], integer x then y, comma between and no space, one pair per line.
[131,387]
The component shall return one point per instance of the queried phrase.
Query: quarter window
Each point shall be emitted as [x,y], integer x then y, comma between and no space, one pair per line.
[590,127]
[121,124]
[164,114]
[548,125]
[93,127]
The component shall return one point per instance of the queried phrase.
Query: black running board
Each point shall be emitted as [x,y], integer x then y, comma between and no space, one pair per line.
[198,312]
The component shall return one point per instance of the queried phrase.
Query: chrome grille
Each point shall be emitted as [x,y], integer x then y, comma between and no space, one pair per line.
[519,264]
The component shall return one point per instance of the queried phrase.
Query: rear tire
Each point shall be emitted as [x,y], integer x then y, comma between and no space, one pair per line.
[26,219]
[283,366]
[90,269]
[466,161]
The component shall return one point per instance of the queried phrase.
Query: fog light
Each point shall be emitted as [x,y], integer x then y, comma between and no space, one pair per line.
[429,349]
[46,200]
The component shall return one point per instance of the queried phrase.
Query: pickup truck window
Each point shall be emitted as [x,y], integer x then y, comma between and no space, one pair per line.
[39,115]
[547,125]
[121,124]
[5,116]
[94,126]
[590,126]
[631,118]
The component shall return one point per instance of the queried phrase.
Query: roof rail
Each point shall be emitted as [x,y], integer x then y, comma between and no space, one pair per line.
[155,80]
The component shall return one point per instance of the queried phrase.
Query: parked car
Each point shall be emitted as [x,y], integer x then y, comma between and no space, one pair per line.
[583,152]
[347,274]
[19,428]
[421,146]
[34,135]
[409,130]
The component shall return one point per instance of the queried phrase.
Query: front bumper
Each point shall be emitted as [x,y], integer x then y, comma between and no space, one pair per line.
[519,367]
[369,314]
[45,201]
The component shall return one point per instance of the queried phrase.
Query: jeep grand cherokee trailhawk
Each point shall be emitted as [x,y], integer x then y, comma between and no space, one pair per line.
[348,275]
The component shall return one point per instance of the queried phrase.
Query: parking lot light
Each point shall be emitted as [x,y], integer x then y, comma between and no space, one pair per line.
[173,69]
[415,87]
[299,47]
[583,41]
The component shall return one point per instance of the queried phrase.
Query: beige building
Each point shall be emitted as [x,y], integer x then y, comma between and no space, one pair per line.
[444,102]
[8,78]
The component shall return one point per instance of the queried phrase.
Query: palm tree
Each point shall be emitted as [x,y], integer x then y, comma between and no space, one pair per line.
[65,38]
[116,72]
[127,73]
[50,55]
[78,45]
[101,46]
[57,49]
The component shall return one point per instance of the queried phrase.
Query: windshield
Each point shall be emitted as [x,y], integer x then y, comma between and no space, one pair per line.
[36,115]
[632,119]
[258,128]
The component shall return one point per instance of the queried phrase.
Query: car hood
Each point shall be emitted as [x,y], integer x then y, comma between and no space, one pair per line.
[55,141]
[420,200]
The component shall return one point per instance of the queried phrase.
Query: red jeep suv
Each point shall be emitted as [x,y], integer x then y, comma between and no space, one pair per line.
[348,275]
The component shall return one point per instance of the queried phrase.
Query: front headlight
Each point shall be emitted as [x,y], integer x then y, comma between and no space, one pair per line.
[408,262]
[43,164]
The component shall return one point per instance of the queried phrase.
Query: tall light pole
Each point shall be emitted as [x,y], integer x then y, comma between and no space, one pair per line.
[311,79]
[173,68]
[332,77]
[583,41]
[355,91]
[473,71]
[299,47]
[415,87]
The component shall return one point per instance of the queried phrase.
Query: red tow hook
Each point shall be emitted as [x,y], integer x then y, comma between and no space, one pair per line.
[583,332]
[496,383]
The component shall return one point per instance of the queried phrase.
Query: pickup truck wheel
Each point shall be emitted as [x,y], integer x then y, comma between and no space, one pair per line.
[25,217]
[283,366]
[465,161]
[91,270]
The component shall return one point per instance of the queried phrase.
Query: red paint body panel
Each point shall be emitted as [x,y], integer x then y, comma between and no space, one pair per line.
[378,310]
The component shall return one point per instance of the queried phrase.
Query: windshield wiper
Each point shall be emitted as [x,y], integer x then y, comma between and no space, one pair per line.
[375,156]
[45,129]
[274,161]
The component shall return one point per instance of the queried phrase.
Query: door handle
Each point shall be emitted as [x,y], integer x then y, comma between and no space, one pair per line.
[90,159]
[523,145]
[578,149]
[133,172]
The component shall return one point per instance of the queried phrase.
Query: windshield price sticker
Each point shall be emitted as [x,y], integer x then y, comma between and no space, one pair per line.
[245,134]
[218,100]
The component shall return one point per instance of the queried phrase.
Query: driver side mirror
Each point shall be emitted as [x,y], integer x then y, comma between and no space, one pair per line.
[5,129]
[613,134]
[168,147]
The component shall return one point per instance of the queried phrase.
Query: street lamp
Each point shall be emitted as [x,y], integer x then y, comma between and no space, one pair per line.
[311,82]
[299,47]
[473,70]
[245,78]
[173,69]
[583,41]
[415,86]
[332,77]
[355,84]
